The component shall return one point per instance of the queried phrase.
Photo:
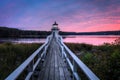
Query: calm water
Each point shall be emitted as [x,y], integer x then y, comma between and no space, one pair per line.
[95,40]
[23,40]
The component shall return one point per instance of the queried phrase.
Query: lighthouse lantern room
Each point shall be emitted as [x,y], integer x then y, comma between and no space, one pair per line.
[55,29]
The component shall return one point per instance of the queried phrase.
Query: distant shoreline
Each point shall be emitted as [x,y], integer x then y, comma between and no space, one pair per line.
[6,32]
[44,37]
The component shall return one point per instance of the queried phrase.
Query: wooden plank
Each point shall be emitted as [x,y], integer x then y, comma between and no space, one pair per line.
[46,75]
[54,67]
[51,75]
[61,73]
[67,74]
[59,61]
[57,75]
[56,64]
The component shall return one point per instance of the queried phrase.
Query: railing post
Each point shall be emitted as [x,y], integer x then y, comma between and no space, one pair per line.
[45,51]
[30,67]
[74,68]
[44,54]
[75,75]
[62,51]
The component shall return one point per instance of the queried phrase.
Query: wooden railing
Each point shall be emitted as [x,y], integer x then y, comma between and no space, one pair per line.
[74,62]
[30,63]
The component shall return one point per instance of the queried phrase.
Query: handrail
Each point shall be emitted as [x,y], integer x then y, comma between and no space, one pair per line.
[80,64]
[23,66]
[65,51]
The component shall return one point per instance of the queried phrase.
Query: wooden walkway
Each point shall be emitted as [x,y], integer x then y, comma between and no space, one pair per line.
[54,66]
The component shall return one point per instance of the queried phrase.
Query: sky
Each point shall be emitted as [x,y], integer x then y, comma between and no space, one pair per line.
[71,15]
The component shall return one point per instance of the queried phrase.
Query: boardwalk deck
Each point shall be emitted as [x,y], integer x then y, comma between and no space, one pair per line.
[54,67]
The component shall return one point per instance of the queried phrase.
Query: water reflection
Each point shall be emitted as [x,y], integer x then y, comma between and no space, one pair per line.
[95,40]
[23,40]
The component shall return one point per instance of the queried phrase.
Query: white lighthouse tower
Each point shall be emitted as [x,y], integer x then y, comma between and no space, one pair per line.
[55,29]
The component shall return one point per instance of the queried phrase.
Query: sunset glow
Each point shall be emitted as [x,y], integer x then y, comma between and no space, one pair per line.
[71,15]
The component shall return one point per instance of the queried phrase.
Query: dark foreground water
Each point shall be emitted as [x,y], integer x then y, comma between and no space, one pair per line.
[94,39]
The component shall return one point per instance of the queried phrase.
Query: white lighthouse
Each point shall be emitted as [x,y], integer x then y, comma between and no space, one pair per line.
[55,29]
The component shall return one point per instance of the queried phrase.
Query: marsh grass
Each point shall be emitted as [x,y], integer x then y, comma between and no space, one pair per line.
[12,55]
[103,60]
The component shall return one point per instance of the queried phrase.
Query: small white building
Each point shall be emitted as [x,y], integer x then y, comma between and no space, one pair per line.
[55,29]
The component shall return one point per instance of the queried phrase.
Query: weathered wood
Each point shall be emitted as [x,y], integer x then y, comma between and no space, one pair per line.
[57,76]
[61,73]
[46,75]
[54,67]
[67,74]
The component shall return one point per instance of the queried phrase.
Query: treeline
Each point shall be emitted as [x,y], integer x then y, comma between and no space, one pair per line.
[101,33]
[17,33]
[92,33]
[12,32]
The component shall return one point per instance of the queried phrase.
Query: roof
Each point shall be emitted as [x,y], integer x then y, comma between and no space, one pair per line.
[55,23]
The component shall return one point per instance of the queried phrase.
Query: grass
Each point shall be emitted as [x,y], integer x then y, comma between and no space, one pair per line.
[12,55]
[103,60]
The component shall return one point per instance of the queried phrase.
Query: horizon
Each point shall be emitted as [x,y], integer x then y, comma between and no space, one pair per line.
[60,30]
[71,15]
